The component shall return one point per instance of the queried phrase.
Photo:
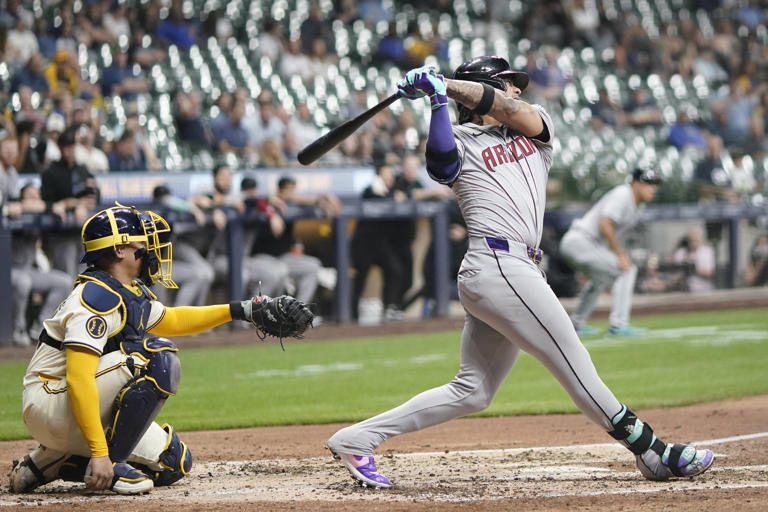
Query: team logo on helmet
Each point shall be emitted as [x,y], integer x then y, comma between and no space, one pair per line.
[96,327]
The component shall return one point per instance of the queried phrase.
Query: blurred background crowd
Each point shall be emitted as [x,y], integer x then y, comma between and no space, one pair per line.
[89,87]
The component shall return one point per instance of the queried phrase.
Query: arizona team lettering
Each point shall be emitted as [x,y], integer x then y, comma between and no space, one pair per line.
[512,151]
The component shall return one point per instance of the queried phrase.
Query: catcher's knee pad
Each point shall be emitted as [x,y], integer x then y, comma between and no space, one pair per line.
[141,399]
[635,434]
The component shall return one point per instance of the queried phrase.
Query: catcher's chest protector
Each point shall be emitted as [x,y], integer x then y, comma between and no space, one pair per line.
[134,308]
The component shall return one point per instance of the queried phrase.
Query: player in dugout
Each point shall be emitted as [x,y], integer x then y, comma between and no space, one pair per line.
[103,368]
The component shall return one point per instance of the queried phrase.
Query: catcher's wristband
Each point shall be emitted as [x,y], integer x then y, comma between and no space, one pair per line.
[241,310]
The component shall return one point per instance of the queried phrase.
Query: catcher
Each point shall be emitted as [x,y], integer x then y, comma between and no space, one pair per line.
[103,368]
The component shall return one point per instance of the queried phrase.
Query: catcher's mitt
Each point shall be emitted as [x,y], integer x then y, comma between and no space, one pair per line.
[282,317]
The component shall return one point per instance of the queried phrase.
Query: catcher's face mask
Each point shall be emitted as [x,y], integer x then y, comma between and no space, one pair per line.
[122,225]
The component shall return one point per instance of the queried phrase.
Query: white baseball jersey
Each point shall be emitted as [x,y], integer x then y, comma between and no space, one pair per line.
[76,324]
[619,206]
[501,188]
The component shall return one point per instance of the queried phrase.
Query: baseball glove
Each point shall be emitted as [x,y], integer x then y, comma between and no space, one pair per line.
[282,317]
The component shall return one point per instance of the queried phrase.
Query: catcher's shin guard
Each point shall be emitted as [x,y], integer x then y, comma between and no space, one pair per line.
[141,399]
[176,459]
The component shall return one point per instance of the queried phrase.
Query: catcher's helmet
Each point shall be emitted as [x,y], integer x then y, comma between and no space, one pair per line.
[121,225]
[491,70]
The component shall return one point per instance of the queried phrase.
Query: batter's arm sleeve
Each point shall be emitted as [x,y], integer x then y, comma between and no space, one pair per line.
[443,162]
[84,397]
[185,320]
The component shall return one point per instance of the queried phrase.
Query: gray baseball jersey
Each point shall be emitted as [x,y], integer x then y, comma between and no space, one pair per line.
[501,188]
[509,305]
[618,204]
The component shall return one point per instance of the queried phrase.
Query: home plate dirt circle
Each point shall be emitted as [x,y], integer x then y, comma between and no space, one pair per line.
[552,463]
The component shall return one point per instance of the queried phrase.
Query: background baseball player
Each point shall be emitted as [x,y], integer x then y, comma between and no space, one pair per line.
[593,245]
[102,371]
[497,161]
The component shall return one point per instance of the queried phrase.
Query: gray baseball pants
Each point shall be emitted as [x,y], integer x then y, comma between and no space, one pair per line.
[509,307]
[601,265]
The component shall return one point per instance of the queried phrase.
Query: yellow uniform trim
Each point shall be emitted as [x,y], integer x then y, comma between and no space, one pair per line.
[84,397]
[185,320]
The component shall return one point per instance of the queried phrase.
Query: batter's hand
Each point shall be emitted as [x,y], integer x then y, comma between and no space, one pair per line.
[427,80]
[624,262]
[101,474]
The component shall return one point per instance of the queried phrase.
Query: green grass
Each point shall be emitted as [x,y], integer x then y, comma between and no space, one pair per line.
[687,358]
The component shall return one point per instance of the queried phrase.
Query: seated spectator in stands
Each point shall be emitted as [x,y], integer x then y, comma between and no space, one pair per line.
[31,273]
[93,30]
[707,66]
[232,136]
[286,195]
[27,161]
[48,147]
[547,79]
[699,257]
[28,113]
[191,271]
[296,63]
[176,30]
[70,187]
[710,175]
[271,40]
[320,60]
[606,113]
[20,43]
[31,76]
[88,155]
[65,33]
[133,124]
[46,41]
[189,125]
[302,126]
[271,154]
[63,72]
[116,21]
[63,104]
[121,79]
[642,110]
[313,28]
[373,244]
[127,155]
[742,180]
[756,273]
[391,49]
[685,133]
[268,125]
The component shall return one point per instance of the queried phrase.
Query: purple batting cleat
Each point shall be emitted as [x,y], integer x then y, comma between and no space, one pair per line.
[363,469]
[678,460]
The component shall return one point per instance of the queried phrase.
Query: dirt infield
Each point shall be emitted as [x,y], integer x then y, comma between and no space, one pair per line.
[535,463]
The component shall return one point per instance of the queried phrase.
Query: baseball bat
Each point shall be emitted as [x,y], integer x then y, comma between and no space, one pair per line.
[328,141]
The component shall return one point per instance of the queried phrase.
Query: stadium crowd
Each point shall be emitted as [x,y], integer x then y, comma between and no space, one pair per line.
[79,90]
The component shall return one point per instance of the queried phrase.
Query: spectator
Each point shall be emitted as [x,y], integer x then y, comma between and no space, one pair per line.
[756,273]
[45,39]
[606,113]
[642,110]
[66,39]
[271,154]
[302,126]
[232,136]
[191,271]
[176,30]
[127,155]
[312,29]
[133,124]
[547,79]
[88,155]
[31,273]
[742,180]
[70,187]
[685,133]
[268,125]
[189,126]
[296,63]
[372,244]
[391,49]
[117,23]
[28,113]
[54,126]
[31,76]
[63,73]
[699,258]
[93,31]
[271,40]
[710,175]
[707,66]
[121,79]
[20,43]
[320,61]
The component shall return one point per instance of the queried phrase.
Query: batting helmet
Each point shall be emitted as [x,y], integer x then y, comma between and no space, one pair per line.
[491,70]
[120,225]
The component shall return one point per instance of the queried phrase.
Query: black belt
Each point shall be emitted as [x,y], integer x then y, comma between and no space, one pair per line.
[112,344]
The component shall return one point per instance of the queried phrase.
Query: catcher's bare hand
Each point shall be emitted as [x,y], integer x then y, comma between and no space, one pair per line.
[282,317]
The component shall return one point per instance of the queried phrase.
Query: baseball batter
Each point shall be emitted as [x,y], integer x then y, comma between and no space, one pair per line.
[593,244]
[497,161]
[103,370]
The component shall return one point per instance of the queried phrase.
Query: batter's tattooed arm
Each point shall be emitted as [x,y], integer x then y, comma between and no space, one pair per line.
[509,111]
